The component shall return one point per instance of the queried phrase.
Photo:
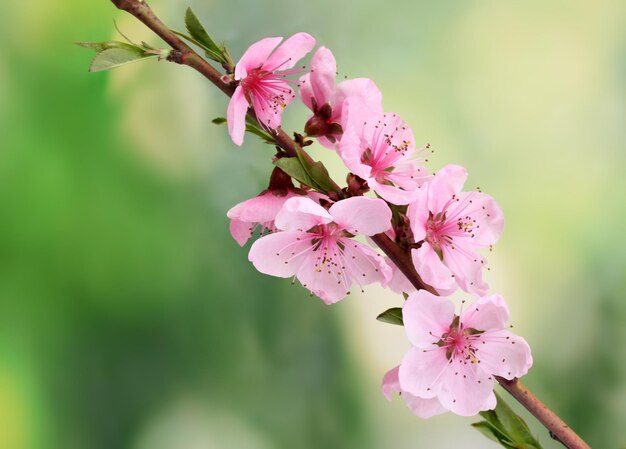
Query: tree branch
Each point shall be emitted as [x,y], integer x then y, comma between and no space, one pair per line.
[401,258]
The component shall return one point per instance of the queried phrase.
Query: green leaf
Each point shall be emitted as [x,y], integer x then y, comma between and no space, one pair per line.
[293,167]
[101,46]
[115,57]
[219,120]
[488,430]
[511,431]
[391,316]
[202,38]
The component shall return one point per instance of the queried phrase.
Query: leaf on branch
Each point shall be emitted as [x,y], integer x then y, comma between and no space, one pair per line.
[114,54]
[506,427]
[218,120]
[308,172]
[392,316]
[201,38]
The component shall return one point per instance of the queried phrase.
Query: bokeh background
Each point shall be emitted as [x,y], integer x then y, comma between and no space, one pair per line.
[130,319]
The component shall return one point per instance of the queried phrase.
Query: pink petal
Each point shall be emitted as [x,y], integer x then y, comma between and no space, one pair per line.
[325,281]
[236,116]
[490,312]
[489,217]
[490,404]
[467,388]
[260,209]
[504,354]
[399,283]
[290,52]
[391,383]
[350,151]
[421,371]
[423,408]
[301,213]
[447,182]
[393,194]
[362,215]
[306,91]
[364,265]
[418,213]
[432,270]
[363,88]
[466,266]
[426,318]
[281,254]
[255,56]
[268,110]
[323,73]
[241,231]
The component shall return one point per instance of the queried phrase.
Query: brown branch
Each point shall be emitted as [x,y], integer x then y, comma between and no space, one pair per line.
[399,256]
[557,427]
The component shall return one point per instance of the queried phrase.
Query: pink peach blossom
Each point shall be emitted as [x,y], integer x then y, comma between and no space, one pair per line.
[261,73]
[257,212]
[451,226]
[422,407]
[380,148]
[315,245]
[455,358]
[320,94]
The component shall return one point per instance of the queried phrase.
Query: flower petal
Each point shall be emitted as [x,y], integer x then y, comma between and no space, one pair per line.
[422,370]
[391,383]
[467,388]
[432,270]
[290,52]
[504,354]
[422,407]
[236,116]
[255,56]
[466,266]
[281,254]
[364,265]
[323,73]
[489,312]
[362,215]
[324,280]
[260,209]
[363,88]
[301,213]
[306,91]
[241,230]
[426,318]
[269,103]
[447,182]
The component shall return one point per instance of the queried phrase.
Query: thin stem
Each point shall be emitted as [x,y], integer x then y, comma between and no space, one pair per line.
[557,427]
[399,256]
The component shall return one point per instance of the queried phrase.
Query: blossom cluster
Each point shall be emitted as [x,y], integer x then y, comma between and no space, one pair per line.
[311,235]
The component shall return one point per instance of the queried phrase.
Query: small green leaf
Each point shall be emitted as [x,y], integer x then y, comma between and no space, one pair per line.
[488,430]
[115,57]
[293,167]
[202,38]
[391,316]
[511,430]
[219,120]
[101,46]
[319,173]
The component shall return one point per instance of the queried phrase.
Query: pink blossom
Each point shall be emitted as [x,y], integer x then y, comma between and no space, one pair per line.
[451,226]
[257,212]
[455,358]
[315,245]
[424,408]
[380,148]
[320,94]
[261,73]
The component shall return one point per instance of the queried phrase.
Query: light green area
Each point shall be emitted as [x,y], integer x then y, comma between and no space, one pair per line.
[130,319]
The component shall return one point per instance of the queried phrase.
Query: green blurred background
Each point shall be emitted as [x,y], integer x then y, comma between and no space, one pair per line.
[130,319]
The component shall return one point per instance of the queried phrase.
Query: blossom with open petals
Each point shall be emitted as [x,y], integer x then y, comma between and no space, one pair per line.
[451,226]
[380,148]
[455,358]
[320,94]
[261,73]
[315,245]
